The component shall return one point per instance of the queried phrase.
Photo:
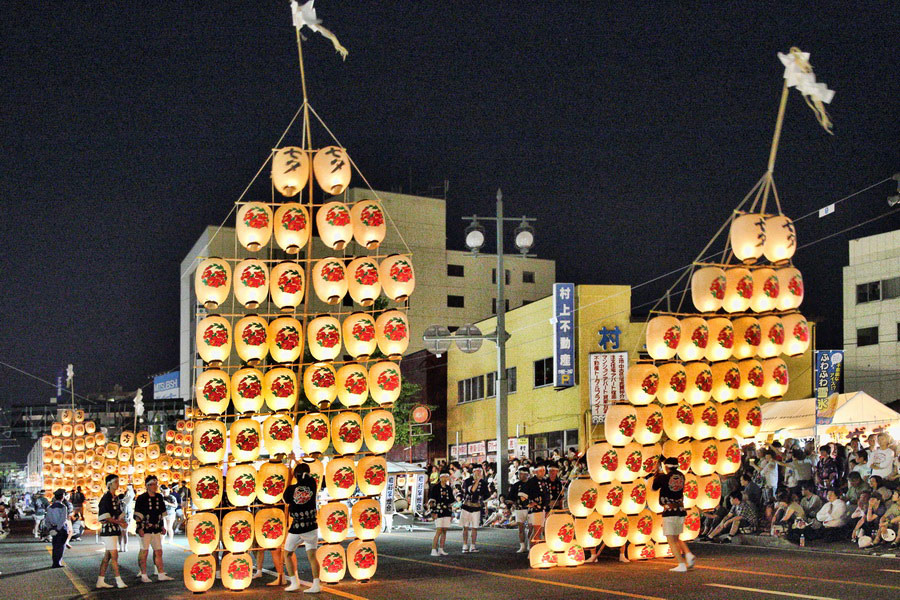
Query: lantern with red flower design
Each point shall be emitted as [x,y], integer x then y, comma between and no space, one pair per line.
[721,339]
[726,378]
[346,433]
[211,282]
[206,487]
[620,424]
[366,515]
[751,418]
[245,436]
[663,337]
[775,378]
[694,338]
[332,563]
[583,496]
[678,421]
[772,336]
[650,424]
[333,520]
[278,434]
[199,572]
[369,227]
[352,385]
[312,433]
[237,569]
[291,227]
[704,456]
[271,482]
[333,222]
[706,420]
[202,532]
[541,557]
[359,335]
[790,281]
[385,382]
[320,384]
[332,169]
[631,457]
[729,420]
[615,530]
[710,491]
[641,383]
[603,462]
[766,290]
[250,339]
[286,285]
[729,456]
[254,225]
[781,239]
[280,389]
[209,441]
[247,390]
[691,489]
[285,339]
[371,475]
[398,279]
[290,170]
[362,560]
[634,498]
[362,276]
[213,339]
[340,478]
[560,531]
[589,530]
[699,383]
[738,289]
[392,333]
[251,282]
[378,431]
[640,527]
[213,391]
[747,337]
[330,280]
[652,455]
[708,288]
[240,486]
[324,335]
[796,334]
[748,236]
[751,379]
[672,383]
[270,527]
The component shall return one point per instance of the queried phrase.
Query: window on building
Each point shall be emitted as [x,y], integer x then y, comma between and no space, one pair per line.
[511,379]
[494,276]
[890,288]
[867,336]
[492,382]
[470,389]
[494,305]
[543,372]
[456,301]
[527,276]
[868,292]
[456,271]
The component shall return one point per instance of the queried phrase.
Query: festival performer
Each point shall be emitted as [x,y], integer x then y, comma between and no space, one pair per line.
[670,483]
[518,498]
[111,520]
[538,501]
[149,510]
[556,486]
[474,492]
[440,500]
[300,508]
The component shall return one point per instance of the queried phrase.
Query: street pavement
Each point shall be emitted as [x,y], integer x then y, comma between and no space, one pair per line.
[406,571]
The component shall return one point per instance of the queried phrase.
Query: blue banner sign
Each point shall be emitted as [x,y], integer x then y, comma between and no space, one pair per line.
[564,358]
[166,386]
[828,378]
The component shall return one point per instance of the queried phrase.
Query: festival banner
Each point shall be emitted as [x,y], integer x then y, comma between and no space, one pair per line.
[564,358]
[606,381]
[827,377]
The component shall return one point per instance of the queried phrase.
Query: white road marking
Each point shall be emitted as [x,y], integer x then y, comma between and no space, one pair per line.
[891,570]
[774,592]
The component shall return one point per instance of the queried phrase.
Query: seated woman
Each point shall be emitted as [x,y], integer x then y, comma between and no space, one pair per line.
[867,526]
[889,525]
[792,514]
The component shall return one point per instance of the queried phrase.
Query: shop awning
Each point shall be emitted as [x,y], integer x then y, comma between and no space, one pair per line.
[798,417]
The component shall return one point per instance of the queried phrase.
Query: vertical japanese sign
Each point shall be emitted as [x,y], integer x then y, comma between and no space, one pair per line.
[606,381]
[564,359]
[420,492]
[389,494]
[828,378]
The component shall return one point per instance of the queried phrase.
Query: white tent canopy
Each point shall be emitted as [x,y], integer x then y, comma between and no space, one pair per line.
[797,418]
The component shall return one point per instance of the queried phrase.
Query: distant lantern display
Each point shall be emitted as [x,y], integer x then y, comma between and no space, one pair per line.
[278,434]
[371,475]
[772,336]
[332,563]
[620,424]
[694,339]
[280,388]
[324,335]
[213,391]
[313,433]
[751,379]
[254,225]
[270,527]
[366,516]
[363,280]
[392,333]
[346,433]
[790,282]
[251,283]
[385,382]
[663,337]
[781,239]
[708,288]
[333,223]
[766,290]
[320,384]
[641,383]
[291,227]
[796,334]
[678,421]
[330,280]
[340,478]
[250,339]
[209,441]
[362,560]
[726,381]
[211,282]
[332,169]
[285,338]
[775,378]
[721,339]
[286,285]
[214,339]
[359,335]
[240,486]
[378,431]
[202,532]
[352,385]
[747,337]
[748,236]
[247,390]
[333,519]
[369,227]
[672,383]
[699,382]
[245,439]
[738,289]
[398,278]
[290,170]
[206,487]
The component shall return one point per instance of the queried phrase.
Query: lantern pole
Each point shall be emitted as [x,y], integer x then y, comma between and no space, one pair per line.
[776,137]
[502,407]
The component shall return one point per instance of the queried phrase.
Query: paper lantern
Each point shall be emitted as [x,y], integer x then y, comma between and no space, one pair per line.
[726,381]
[212,281]
[672,383]
[250,339]
[66,415]
[251,282]
[678,421]
[352,385]
[397,277]
[642,552]
[270,528]
[320,384]
[244,436]
[213,391]
[582,496]
[247,390]
[651,455]
[691,489]
[751,379]
[663,337]
[56,429]
[363,282]
[271,482]
[634,497]
[89,440]
[333,222]
[699,383]
[573,556]
[704,456]
[366,516]
[112,450]
[213,339]
[640,527]
[278,434]
[69,457]
[359,335]
[738,289]
[362,560]
[202,532]
[611,496]
[384,381]
[615,530]
[692,523]
[775,378]
[333,520]
[378,431]
[237,529]
[620,424]
[332,169]
[589,530]
[206,487]
[650,424]
[126,438]
[90,427]
[748,236]
[796,334]
[790,281]
[330,280]
[254,225]
[781,239]
[56,443]
[541,556]
[68,444]
[290,170]
[708,288]
[392,333]
[765,290]
[559,531]
[286,285]
[340,478]
[747,337]
[346,433]
[630,460]
[280,389]
[641,383]
[369,227]
[681,451]
[209,443]
[729,421]
[139,454]
[142,439]
[751,419]
[371,475]
[653,502]
[46,441]
[237,570]
[706,420]
[603,462]
[199,573]
[721,339]
[694,338]
[729,457]
[313,433]
[332,563]
[180,425]
[324,335]
[772,336]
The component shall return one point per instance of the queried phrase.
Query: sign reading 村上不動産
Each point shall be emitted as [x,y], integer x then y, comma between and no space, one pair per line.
[606,381]
[564,359]
[828,376]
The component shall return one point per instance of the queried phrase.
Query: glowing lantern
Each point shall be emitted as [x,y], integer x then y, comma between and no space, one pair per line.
[237,570]
[369,226]
[378,431]
[791,283]
[340,478]
[247,390]
[781,239]
[775,378]
[320,384]
[699,383]
[67,415]
[244,436]
[362,560]
[68,429]
[772,338]
[708,288]
[153,451]
[729,457]
[747,337]
[199,573]
[726,381]
[280,387]
[706,420]
[278,434]
[89,440]
[651,455]
[582,495]
[642,552]
[56,429]
[213,391]
[541,556]
[285,339]
[213,339]
[286,285]
[634,498]
[704,456]
[589,530]
[615,530]
[384,382]
[650,424]
[678,421]
[691,489]
[611,497]
[672,383]
[46,441]
[316,470]
[112,450]
[397,277]
[692,523]
[332,563]
[271,482]
[179,425]
[560,531]
[139,454]
[653,502]
[56,443]
[346,433]
[729,421]
[751,419]
[254,225]
[331,166]
[90,427]
[330,280]
[366,515]
[573,556]
[352,385]
[333,222]
[333,520]
[290,170]
[324,335]
[681,451]
[363,282]
[603,462]
[392,333]
[751,379]
[202,532]
[359,335]
[206,487]
[796,334]
[371,475]
[694,338]
[78,416]
[250,339]
[142,439]
[663,337]
[211,282]
[313,433]
[126,439]
[237,529]
[620,424]
[641,383]
[748,236]
[738,289]
[251,282]
[630,460]
[640,527]
[765,290]
[209,443]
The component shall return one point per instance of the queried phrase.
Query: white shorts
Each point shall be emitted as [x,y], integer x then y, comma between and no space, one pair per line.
[310,539]
[151,540]
[522,515]
[110,542]
[472,520]
[672,525]
[536,519]
[442,523]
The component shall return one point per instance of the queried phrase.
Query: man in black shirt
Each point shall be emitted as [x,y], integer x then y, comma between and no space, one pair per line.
[110,516]
[556,486]
[475,491]
[149,510]
[518,499]
[300,511]
[538,501]
[440,499]
[670,483]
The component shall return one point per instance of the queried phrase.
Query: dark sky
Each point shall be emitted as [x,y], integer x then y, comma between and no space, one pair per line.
[630,133]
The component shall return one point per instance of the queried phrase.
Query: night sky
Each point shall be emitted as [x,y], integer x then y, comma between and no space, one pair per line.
[629,133]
